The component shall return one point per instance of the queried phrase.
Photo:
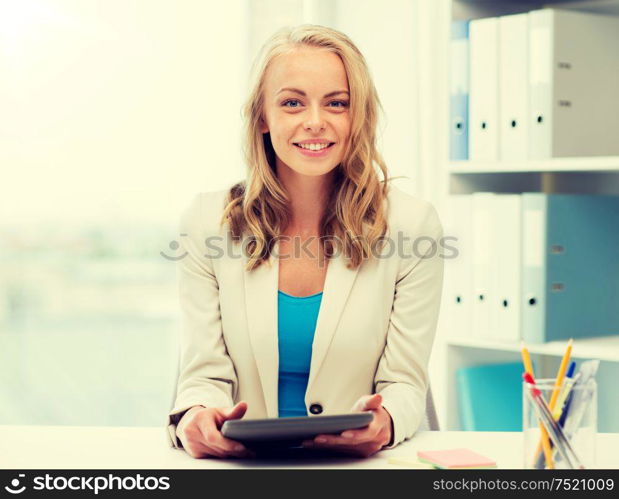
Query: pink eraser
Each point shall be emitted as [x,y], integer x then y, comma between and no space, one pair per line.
[455,459]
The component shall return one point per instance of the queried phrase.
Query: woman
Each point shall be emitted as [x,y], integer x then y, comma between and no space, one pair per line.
[331,306]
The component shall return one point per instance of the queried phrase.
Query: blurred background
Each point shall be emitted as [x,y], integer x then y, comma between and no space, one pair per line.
[114,114]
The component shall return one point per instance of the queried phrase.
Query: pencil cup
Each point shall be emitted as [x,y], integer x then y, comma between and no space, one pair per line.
[571,434]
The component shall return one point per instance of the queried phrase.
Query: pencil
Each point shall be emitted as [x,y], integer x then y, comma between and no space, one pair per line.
[528,368]
[560,375]
[561,442]
[553,399]
[526,359]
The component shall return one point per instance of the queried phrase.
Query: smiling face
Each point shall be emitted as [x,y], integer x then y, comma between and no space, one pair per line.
[306,110]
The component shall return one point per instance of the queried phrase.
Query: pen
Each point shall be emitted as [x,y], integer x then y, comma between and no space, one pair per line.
[557,388]
[566,410]
[582,398]
[577,401]
[556,433]
[565,390]
[568,402]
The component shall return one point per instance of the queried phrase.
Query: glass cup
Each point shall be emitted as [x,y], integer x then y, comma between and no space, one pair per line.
[577,420]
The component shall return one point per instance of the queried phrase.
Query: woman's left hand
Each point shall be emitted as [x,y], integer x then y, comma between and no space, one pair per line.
[364,441]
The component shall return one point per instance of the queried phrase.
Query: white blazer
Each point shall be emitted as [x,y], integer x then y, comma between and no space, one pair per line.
[374,331]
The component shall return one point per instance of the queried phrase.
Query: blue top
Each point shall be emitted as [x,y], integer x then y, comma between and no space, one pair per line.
[296,324]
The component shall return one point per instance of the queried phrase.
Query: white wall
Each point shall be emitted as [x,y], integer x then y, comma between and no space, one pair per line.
[405,44]
[385,36]
[118,108]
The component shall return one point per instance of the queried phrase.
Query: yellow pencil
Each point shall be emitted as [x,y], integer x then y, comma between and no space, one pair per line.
[550,463]
[526,360]
[553,398]
[528,368]
[561,375]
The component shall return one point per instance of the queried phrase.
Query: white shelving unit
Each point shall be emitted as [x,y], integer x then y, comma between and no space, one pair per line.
[461,352]
[603,348]
[574,175]
[554,165]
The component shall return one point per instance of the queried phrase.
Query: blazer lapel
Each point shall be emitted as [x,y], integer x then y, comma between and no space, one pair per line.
[338,283]
[261,305]
[261,286]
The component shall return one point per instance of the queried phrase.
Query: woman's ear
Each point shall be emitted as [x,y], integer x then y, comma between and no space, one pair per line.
[264,128]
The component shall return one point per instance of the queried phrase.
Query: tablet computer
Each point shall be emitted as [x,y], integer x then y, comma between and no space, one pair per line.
[288,432]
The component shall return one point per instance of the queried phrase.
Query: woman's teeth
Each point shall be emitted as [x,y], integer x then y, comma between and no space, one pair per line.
[314,147]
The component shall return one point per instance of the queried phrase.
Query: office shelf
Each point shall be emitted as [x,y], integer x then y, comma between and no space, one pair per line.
[582,165]
[591,175]
[604,348]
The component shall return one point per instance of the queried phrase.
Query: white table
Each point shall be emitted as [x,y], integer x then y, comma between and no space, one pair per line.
[67,447]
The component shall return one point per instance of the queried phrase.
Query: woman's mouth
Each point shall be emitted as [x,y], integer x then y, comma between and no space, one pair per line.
[314,150]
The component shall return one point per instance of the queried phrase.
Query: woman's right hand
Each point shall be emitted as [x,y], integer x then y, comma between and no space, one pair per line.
[199,432]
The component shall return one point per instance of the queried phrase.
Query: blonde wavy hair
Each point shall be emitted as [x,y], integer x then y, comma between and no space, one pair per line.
[260,207]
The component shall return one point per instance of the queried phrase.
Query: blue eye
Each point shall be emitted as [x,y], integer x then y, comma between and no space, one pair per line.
[340,103]
[291,101]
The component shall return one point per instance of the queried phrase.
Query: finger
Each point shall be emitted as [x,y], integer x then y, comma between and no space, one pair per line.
[198,450]
[329,440]
[368,432]
[192,441]
[227,446]
[218,452]
[373,402]
[202,445]
[238,411]
[214,439]
[360,435]
[367,402]
[360,404]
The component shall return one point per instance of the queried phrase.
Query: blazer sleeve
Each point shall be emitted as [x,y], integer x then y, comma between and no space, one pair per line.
[402,373]
[206,372]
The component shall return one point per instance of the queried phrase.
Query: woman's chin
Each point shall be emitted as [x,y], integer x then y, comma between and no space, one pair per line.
[314,172]
[310,169]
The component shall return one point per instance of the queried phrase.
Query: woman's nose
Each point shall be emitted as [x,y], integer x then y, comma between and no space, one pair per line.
[315,121]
